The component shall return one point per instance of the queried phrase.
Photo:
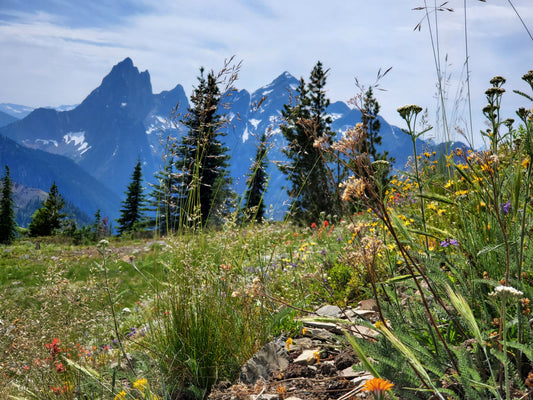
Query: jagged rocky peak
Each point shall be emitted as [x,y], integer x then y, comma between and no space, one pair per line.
[124,87]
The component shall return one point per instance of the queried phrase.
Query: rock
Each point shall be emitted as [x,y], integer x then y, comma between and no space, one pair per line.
[301,343]
[266,397]
[322,325]
[361,378]
[329,311]
[307,357]
[348,373]
[363,332]
[369,304]
[272,357]
[321,334]
[293,398]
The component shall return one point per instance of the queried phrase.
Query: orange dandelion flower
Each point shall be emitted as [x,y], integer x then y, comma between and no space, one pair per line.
[378,386]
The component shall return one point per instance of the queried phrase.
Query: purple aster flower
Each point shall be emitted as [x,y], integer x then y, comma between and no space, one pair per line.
[449,242]
[506,208]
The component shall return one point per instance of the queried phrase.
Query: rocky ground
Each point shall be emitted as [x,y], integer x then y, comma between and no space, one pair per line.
[314,366]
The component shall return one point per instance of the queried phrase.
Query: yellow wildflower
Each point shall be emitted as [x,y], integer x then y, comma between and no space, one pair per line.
[141,384]
[289,342]
[121,396]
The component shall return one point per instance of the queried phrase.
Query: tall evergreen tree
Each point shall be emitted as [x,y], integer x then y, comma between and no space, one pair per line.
[312,190]
[131,214]
[48,217]
[8,226]
[202,160]
[371,123]
[256,183]
[372,126]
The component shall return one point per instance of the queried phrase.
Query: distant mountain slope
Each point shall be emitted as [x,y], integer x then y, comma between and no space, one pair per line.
[15,110]
[38,169]
[6,119]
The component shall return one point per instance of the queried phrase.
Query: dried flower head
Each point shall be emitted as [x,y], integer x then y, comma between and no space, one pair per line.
[497,81]
[528,77]
[351,141]
[354,188]
[321,142]
[407,112]
[494,91]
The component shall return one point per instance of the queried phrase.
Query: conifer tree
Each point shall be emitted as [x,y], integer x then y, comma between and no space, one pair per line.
[48,218]
[8,226]
[256,183]
[202,160]
[372,126]
[131,214]
[311,191]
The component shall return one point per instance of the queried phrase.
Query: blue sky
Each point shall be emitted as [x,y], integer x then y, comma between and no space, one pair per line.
[56,51]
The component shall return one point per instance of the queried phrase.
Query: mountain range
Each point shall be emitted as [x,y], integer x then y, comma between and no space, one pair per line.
[90,149]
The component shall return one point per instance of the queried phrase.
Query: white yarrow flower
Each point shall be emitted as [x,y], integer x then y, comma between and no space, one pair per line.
[506,292]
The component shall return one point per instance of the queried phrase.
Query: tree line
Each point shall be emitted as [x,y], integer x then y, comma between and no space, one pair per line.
[193,187]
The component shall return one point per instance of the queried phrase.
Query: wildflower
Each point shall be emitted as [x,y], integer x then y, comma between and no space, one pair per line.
[304,330]
[313,225]
[326,223]
[379,325]
[316,355]
[506,292]
[141,384]
[449,242]
[121,396]
[289,342]
[54,347]
[60,367]
[506,208]
[281,390]
[378,387]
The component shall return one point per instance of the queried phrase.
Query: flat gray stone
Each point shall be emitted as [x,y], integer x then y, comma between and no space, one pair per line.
[307,357]
[348,373]
[329,311]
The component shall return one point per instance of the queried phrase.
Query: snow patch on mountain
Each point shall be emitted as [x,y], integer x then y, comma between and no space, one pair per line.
[46,142]
[78,140]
